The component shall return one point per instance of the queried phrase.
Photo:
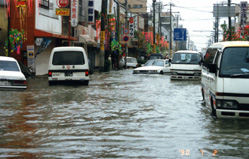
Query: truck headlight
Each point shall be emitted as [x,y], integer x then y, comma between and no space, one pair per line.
[227,104]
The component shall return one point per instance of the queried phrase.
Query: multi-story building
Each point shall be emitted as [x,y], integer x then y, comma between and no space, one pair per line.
[139,6]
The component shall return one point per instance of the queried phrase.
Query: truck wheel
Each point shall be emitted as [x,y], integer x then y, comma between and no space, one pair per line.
[161,73]
[213,110]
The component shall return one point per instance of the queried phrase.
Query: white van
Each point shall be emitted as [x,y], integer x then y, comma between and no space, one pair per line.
[68,64]
[225,79]
[186,65]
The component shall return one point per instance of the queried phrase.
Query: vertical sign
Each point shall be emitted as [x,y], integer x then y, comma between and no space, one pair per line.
[74,13]
[131,26]
[110,9]
[135,23]
[102,41]
[243,5]
[90,11]
[31,57]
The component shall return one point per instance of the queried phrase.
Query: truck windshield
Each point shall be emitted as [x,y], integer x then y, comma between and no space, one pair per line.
[235,62]
[185,58]
[68,58]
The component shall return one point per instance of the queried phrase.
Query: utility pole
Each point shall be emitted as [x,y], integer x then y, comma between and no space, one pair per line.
[126,26]
[154,26]
[86,24]
[102,49]
[229,20]
[170,32]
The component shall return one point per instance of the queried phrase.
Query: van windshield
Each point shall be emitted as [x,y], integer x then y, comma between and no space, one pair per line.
[68,58]
[185,58]
[235,62]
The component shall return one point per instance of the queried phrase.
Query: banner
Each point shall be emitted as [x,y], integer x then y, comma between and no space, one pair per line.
[44,44]
[31,57]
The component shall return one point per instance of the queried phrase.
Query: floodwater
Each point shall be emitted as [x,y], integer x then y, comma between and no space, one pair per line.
[119,115]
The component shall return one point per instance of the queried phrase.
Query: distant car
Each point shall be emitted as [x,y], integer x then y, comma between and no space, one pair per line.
[132,62]
[156,56]
[186,65]
[10,74]
[157,66]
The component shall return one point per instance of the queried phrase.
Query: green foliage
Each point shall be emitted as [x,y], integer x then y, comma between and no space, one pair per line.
[116,46]
[15,40]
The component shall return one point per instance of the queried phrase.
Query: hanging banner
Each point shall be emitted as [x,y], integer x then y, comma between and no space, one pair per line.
[31,57]
[74,12]
[44,44]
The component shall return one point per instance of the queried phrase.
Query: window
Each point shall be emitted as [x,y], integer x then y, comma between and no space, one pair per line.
[209,57]
[68,58]
[8,66]
[235,61]
[186,58]
[137,6]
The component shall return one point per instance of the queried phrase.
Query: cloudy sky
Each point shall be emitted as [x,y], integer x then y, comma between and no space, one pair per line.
[196,15]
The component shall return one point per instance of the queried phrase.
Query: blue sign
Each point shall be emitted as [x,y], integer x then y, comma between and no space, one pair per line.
[180,34]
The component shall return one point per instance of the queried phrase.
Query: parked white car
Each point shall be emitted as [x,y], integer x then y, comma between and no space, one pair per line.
[10,74]
[131,62]
[157,66]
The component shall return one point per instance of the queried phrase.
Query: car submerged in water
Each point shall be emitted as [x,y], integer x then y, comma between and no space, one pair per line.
[157,66]
[11,76]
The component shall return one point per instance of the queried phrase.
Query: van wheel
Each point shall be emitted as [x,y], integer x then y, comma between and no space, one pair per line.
[161,73]
[50,83]
[213,110]
[203,96]
[86,83]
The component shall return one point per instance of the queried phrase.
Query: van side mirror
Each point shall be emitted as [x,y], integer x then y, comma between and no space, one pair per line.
[169,60]
[212,68]
[201,62]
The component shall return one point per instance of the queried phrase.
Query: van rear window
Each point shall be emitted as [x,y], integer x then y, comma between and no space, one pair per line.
[68,58]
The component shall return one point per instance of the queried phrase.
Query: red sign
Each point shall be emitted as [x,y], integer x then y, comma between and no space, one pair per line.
[131,20]
[62,3]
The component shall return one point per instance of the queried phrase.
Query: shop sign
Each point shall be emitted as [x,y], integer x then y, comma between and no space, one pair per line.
[62,3]
[90,11]
[74,13]
[62,11]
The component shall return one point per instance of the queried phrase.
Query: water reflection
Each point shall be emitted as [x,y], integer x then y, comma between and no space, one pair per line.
[119,115]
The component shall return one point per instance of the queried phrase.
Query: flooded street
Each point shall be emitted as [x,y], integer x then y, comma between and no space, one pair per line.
[119,115]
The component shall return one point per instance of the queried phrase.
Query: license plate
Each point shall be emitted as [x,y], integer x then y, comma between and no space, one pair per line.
[56,74]
[68,73]
[4,83]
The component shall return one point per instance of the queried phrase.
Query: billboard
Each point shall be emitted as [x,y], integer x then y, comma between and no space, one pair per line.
[223,11]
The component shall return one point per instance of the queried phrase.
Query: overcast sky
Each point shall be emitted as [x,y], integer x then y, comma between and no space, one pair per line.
[196,15]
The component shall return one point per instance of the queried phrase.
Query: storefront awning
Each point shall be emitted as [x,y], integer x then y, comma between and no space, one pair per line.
[86,39]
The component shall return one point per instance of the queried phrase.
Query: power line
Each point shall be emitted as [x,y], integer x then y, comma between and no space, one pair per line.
[193,9]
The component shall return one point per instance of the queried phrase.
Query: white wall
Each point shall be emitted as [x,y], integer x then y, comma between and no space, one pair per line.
[46,20]
[42,59]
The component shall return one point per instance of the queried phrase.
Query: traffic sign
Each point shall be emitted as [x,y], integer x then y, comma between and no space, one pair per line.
[126,31]
[126,38]
[180,34]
